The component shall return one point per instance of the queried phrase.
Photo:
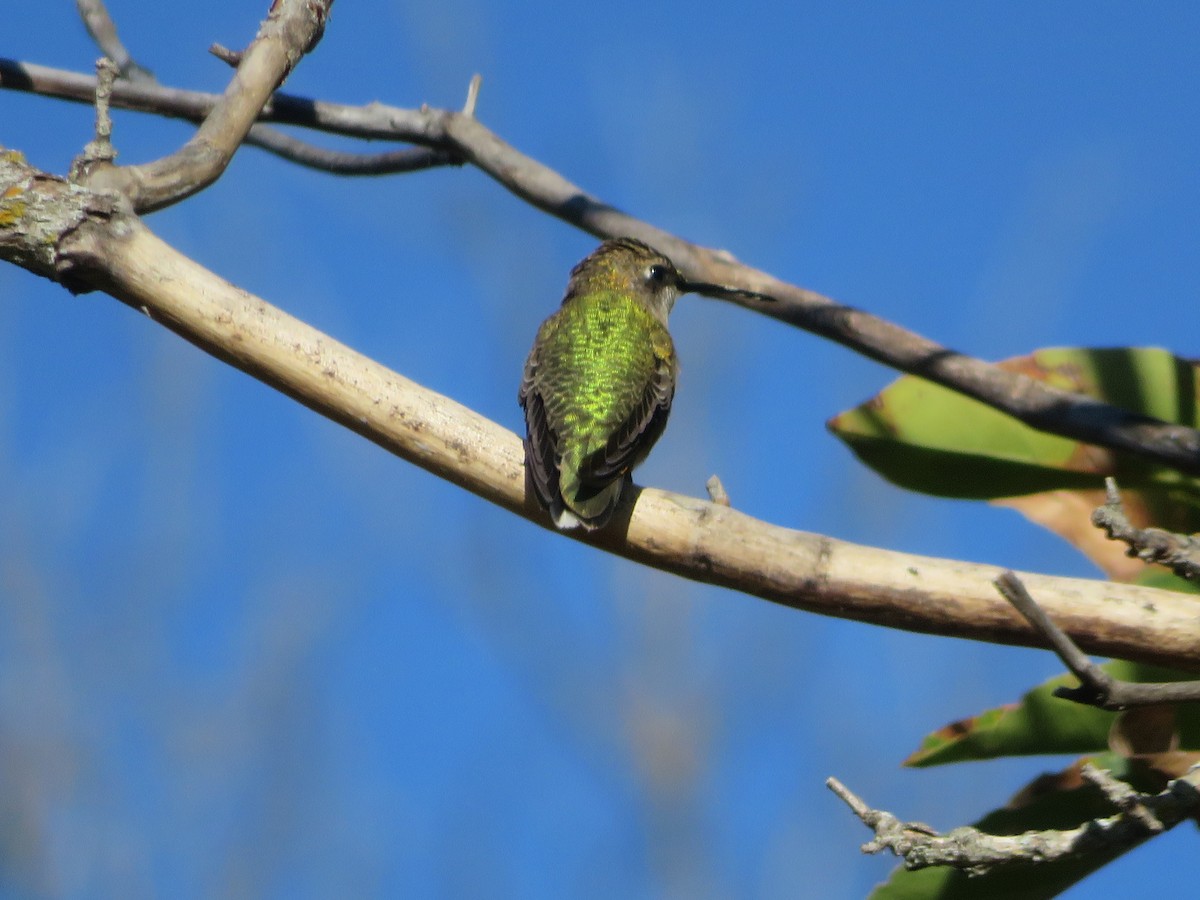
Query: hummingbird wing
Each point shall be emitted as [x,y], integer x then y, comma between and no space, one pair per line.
[540,454]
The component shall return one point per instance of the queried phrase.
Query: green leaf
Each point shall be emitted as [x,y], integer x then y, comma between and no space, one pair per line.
[930,439]
[1041,723]
[1157,577]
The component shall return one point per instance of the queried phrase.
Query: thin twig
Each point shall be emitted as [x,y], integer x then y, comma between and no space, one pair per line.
[338,162]
[224,54]
[335,162]
[1122,796]
[99,151]
[1178,552]
[1033,402]
[103,31]
[1097,687]
[472,95]
[977,852]
[716,491]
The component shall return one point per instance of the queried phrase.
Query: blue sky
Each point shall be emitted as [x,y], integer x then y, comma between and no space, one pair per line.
[243,651]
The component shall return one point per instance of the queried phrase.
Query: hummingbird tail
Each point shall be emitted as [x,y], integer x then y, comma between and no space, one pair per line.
[584,506]
[565,520]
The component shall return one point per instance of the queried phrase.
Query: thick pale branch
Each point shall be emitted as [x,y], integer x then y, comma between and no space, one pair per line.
[692,537]
[1031,401]
[98,245]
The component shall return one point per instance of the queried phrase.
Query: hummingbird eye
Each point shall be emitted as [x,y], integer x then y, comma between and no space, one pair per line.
[657,274]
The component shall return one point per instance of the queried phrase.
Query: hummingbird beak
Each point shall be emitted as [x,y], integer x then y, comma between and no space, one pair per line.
[721,291]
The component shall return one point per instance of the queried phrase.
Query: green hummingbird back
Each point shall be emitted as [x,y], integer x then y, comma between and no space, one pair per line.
[598,387]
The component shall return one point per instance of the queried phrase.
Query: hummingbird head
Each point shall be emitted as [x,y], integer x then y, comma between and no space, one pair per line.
[633,268]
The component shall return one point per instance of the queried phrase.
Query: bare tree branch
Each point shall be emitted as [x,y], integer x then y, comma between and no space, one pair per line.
[103,31]
[1097,687]
[99,150]
[141,96]
[1033,402]
[1123,796]
[1178,552]
[291,29]
[335,162]
[89,240]
[976,852]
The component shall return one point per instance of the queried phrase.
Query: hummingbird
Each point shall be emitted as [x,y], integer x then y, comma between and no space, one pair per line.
[599,381]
